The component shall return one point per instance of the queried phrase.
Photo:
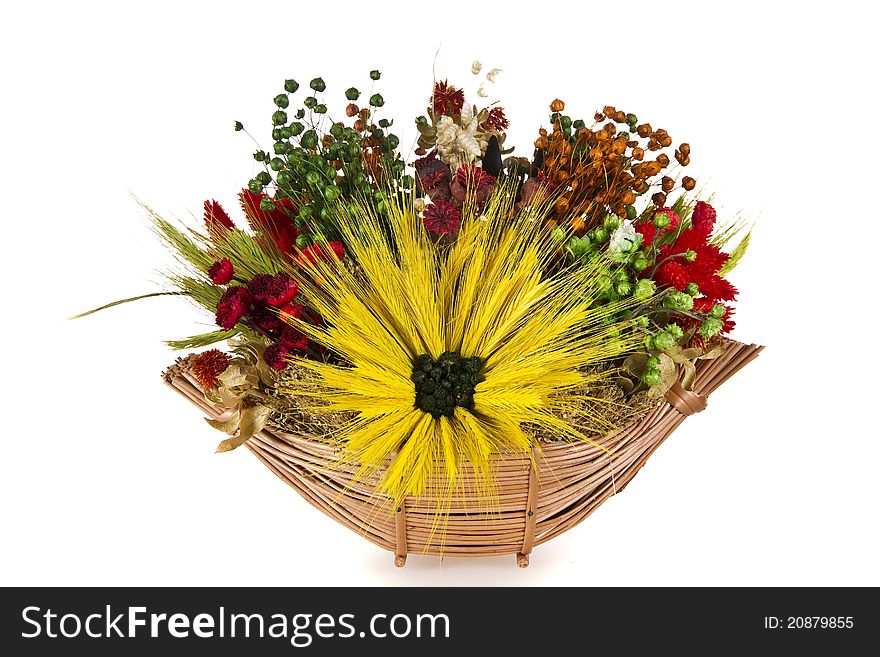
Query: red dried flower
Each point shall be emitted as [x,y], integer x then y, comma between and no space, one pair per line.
[647,230]
[717,288]
[277,224]
[496,120]
[431,180]
[673,274]
[314,252]
[221,272]
[258,286]
[446,99]
[291,338]
[234,303]
[281,290]
[216,220]
[433,176]
[470,176]
[292,311]
[338,249]
[703,218]
[702,270]
[208,365]
[442,217]
[275,356]
[266,319]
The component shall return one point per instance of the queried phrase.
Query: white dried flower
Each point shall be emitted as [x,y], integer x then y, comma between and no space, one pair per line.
[476,67]
[467,114]
[491,75]
[481,92]
[623,240]
[458,144]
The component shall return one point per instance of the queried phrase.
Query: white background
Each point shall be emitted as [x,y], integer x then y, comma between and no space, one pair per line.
[109,478]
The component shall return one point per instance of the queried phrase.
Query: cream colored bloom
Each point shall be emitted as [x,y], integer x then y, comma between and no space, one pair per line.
[458,144]
[623,240]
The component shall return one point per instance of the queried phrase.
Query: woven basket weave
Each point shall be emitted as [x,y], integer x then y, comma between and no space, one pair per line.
[533,505]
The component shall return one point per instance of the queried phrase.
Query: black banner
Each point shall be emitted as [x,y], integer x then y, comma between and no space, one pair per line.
[319,621]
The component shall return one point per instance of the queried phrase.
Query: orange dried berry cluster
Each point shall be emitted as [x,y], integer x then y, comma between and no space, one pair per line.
[602,169]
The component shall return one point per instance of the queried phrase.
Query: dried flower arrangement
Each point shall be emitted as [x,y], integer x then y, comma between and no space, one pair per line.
[468,354]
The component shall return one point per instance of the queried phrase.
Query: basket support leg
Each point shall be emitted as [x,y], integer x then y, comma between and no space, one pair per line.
[531,514]
[400,534]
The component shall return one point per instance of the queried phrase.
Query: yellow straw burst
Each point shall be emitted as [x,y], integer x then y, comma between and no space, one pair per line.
[491,294]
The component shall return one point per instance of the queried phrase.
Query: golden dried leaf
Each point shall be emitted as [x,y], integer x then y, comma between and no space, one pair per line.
[635,363]
[668,377]
[228,422]
[689,376]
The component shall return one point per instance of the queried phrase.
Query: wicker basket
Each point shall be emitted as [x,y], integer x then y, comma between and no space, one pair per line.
[534,504]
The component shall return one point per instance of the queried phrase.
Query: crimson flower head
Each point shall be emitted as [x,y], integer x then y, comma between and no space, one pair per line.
[703,219]
[338,249]
[234,303]
[294,339]
[275,356]
[673,274]
[433,176]
[446,99]
[221,272]
[470,175]
[266,319]
[281,290]
[692,258]
[258,286]
[442,217]
[292,311]
[208,365]
[496,120]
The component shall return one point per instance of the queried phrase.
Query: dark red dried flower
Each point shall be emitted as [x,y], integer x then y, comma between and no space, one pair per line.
[470,175]
[266,319]
[703,219]
[431,180]
[442,217]
[472,180]
[496,120]
[294,339]
[292,311]
[221,272]
[216,220]
[234,303]
[281,290]
[258,286]
[433,176]
[275,356]
[208,365]
[446,99]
